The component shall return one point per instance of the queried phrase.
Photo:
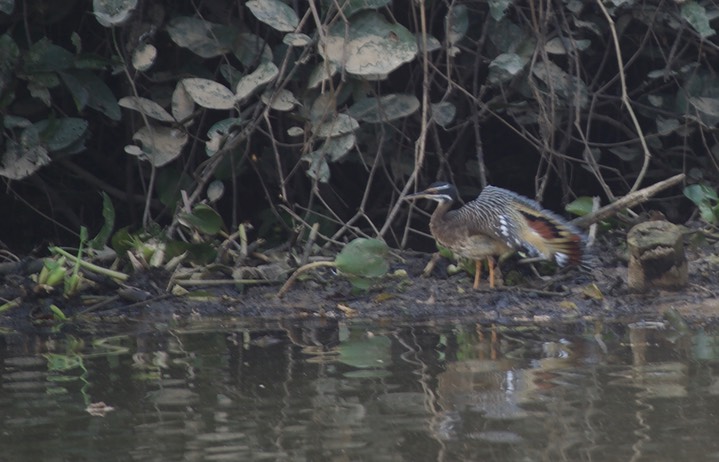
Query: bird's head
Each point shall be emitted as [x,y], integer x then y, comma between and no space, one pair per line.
[440,191]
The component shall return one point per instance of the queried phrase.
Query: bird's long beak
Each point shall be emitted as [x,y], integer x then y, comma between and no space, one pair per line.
[429,193]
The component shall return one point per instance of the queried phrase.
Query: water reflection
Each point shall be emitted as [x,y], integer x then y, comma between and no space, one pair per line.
[321,389]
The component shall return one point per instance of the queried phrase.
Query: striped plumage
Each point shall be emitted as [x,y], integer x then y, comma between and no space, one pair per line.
[497,222]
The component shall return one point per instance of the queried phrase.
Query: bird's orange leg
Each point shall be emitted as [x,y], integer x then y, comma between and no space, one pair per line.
[490,264]
[477,273]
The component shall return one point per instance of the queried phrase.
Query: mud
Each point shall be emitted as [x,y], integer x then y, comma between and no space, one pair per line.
[573,295]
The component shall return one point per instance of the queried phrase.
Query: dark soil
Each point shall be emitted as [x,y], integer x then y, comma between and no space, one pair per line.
[571,295]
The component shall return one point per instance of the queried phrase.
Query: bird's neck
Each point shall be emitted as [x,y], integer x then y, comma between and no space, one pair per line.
[439,216]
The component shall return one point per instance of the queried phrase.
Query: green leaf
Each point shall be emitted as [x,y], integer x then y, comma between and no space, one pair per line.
[215,191]
[443,113]
[22,159]
[359,283]
[108,213]
[704,347]
[444,251]
[457,23]
[505,66]
[372,46]
[12,121]
[208,93]
[111,13]
[159,145]
[201,253]
[83,234]
[203,38]
[40,91]
[59,134]
[570,87]
[561,45]
[297,40]
[250,49]
[72,282]
[350,7]
[364,258]
[318,168]
[218,131]
[707,213]
[182,105]
[91,61]
[580,206]
[322,71]
[280,100]
[667,126]
[363,352]
[337,147]
[336,126]
[275,14]
[122,241]
[147,107]
[384,108]
[696,16]
[87,88]
[497,8]
[264,74]
[6,6]
[625,153]
[170,181]
[697,98]
[79,93]
[143,57]
[9,54]
[58,313]
[44,56]
[204,218]
[700,193]
[705,198]
[709,106]
[57,362]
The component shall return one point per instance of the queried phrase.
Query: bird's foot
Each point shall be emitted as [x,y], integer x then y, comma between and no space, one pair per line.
[431,264]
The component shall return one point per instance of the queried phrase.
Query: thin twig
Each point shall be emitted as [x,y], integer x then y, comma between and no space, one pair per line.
[625,98]
[220,282]
[302,269]
[419,151]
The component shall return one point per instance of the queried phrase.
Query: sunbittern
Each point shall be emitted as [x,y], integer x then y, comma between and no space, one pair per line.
[497,222]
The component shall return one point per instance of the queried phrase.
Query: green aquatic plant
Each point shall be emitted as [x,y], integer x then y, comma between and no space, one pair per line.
[362,261]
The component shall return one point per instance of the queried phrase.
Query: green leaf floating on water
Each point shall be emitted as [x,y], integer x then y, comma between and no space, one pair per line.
[363,260]
[366,352]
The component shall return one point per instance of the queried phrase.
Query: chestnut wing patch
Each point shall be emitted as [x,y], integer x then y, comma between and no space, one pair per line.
[555,237]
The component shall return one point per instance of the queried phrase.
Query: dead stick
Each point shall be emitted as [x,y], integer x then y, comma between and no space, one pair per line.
[630,200]
[317,264]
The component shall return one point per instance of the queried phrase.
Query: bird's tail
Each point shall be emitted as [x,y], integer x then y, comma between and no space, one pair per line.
[554,238]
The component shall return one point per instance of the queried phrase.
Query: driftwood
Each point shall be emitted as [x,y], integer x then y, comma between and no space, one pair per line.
[630,200]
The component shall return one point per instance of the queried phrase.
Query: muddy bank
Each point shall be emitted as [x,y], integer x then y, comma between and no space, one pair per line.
[569,296]
[599,294]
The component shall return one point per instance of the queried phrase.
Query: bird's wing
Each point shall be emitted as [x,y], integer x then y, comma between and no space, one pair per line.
[547,235]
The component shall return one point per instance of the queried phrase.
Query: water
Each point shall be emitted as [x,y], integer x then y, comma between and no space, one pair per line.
[322,390]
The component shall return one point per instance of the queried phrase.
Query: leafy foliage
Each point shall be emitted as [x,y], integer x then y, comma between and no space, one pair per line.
[363,260]
[706,200]
[301,110]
